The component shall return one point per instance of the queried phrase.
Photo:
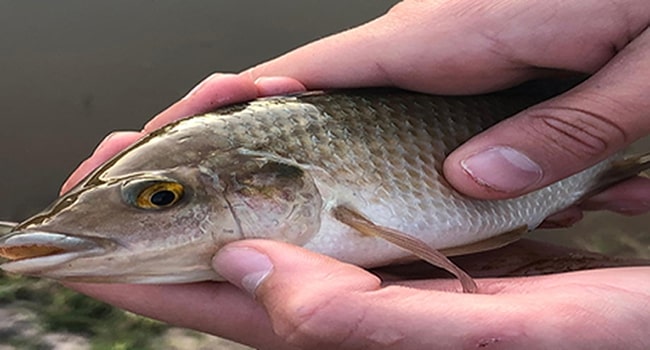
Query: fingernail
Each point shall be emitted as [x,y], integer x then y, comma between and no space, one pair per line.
[245,267]
[264,80]
[269,86]
[200,85]
[502,169]
[74,178]
[105,141]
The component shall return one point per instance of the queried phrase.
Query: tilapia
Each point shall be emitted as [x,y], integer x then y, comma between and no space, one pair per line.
[353,174]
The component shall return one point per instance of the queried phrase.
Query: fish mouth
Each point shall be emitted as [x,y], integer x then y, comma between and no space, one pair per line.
[31,252]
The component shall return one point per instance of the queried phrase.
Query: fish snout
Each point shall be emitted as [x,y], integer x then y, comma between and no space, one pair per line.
[35,251]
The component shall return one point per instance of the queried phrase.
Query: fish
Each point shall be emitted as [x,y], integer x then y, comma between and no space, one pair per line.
[355,174]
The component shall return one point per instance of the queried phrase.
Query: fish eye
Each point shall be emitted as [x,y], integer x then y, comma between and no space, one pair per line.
[158,195]
[163,198]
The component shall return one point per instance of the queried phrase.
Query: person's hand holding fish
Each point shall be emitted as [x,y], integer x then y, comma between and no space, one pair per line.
[307,300]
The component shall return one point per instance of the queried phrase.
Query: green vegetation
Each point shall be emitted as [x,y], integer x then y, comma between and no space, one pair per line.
[62,310]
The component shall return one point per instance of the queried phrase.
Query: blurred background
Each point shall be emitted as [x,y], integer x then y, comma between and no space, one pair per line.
[73,71]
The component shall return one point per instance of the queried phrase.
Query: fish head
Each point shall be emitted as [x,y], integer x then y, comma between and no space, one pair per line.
[159,211]
[145,228]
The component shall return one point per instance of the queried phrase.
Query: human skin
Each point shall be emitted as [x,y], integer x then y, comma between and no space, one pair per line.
[283,296]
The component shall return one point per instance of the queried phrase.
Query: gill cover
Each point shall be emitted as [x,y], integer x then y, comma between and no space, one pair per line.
[273,198]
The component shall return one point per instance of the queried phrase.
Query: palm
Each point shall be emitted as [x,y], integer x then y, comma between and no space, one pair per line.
[314,301]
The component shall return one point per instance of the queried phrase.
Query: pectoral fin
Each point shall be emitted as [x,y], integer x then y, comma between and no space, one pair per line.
[411,244]
[487,244]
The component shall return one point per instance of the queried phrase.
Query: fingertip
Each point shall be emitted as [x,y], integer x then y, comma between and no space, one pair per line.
[631,197]
[565,218]
[213,92]
[546,142]
[261,265]
[210,79]
[296,287]
[111,145]
[79,173]
[269,86]
[114,143]
[491,172]
[243,266]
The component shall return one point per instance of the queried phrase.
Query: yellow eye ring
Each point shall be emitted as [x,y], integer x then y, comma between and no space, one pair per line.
[159,195]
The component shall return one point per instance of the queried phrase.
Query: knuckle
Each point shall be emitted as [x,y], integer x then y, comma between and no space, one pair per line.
[583,133]
[323,321]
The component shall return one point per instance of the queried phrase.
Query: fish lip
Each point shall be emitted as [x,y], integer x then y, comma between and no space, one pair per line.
[72,247]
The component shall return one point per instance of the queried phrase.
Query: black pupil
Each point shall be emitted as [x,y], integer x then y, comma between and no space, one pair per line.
[163,198]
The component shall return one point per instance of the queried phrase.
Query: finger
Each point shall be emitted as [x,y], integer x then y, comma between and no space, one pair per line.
[270,86]
[565,218]
[502,44]
[215,91]
[525,257]
[562,136]
[216,308]
[107,148]
[359,58]
[631,197]
[317,303]
[395,317]
[307,296]
[219,90]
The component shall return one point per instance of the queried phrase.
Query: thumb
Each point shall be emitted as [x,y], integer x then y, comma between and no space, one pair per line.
[310,299]
[562,136]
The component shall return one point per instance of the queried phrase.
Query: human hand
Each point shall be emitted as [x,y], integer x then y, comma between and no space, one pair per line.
[469,46]
[475,48]
[305,300]
[216,91]
[507,54]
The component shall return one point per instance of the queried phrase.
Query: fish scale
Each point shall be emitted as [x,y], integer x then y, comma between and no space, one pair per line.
[335,172]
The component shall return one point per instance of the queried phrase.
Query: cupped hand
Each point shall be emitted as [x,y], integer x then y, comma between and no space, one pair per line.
[470,46]
[467,46]
[291,298]
[450,47]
